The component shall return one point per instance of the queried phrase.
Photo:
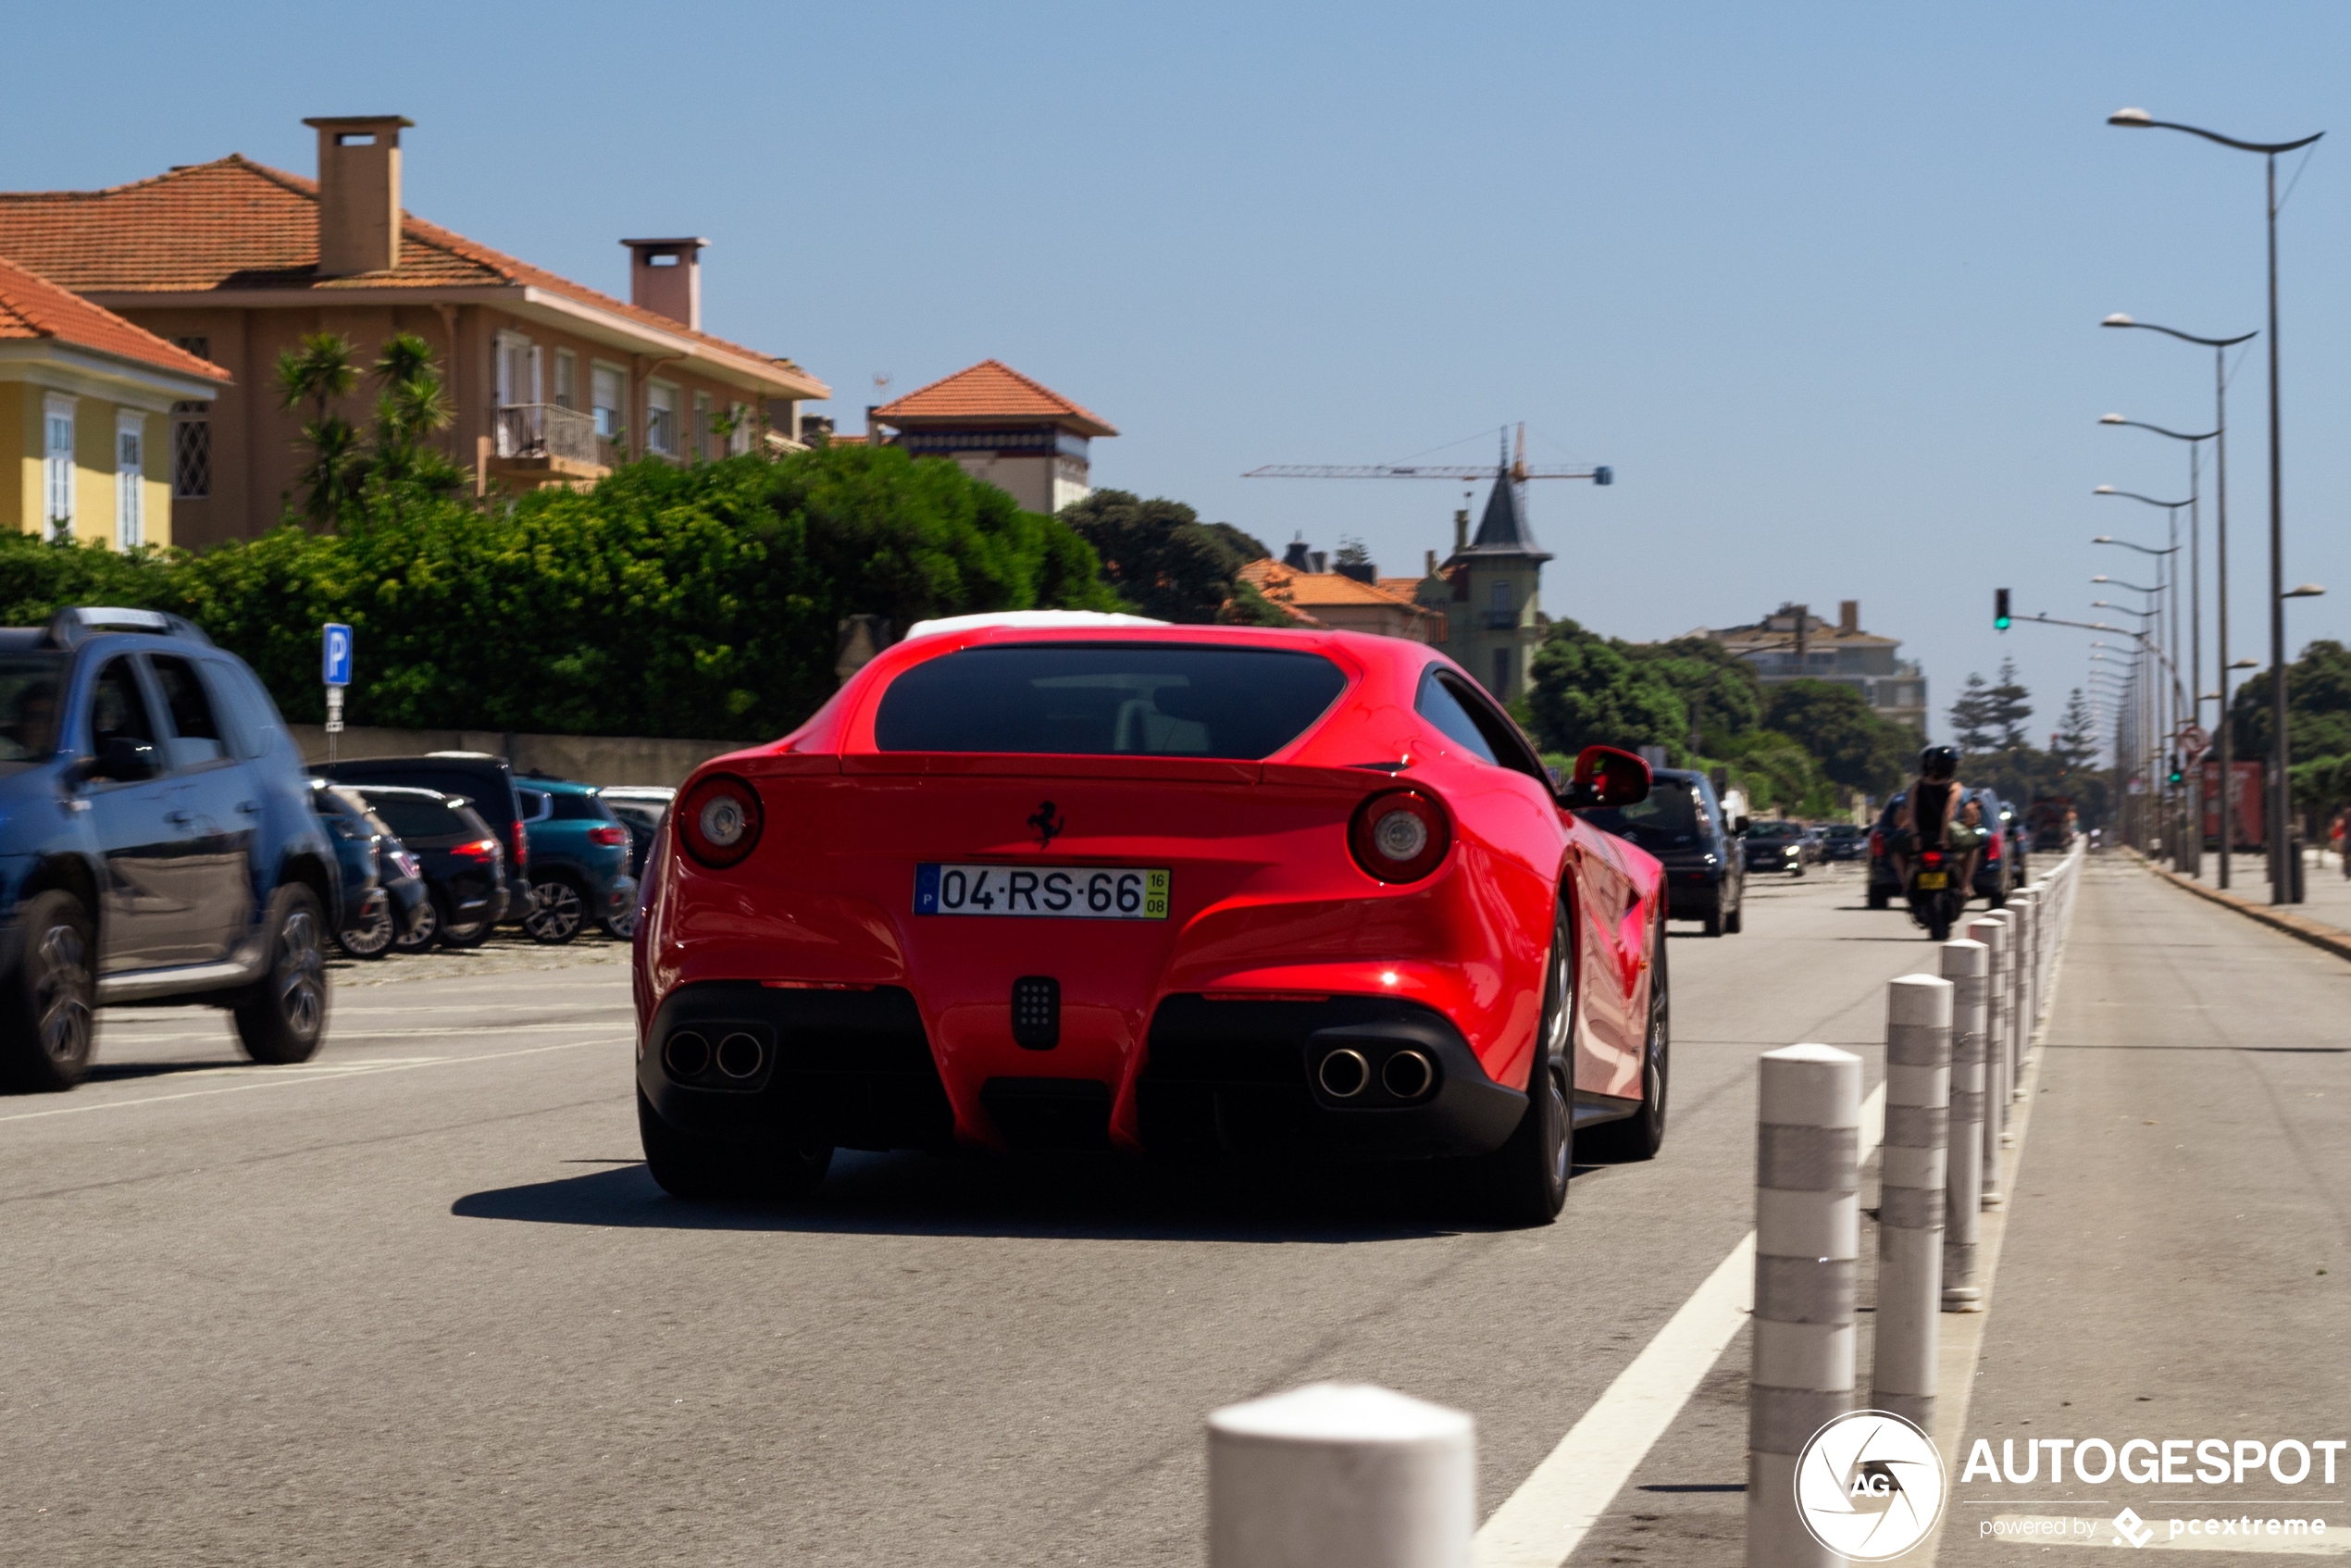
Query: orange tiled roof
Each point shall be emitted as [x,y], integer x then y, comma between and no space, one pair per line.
[992,390]
[32,306]
[1287,585]
[1403,587]
[233,223]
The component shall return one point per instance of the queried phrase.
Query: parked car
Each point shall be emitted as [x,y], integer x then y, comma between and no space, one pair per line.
[2019,839]
[1885,886]
[484,781]
[157,844]
[463,865]
[579,858]
[383,886]
[1842,841]
[1304,893]
[641,808]
[1684,827]
[1775,846]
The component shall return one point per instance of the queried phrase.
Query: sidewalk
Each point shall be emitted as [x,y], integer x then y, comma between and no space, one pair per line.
[2326,894]
[2179,1233]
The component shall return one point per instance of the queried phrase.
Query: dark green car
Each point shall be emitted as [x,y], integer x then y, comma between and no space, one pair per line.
[579,858]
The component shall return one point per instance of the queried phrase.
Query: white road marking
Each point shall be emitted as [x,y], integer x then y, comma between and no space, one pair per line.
[323,1073]
[1540,1524]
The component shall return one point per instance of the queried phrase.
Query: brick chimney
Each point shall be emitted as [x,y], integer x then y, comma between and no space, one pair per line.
[1848,616]
[665,277]
[358,193]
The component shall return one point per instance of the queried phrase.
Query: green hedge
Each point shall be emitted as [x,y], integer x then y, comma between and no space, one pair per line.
[667,602]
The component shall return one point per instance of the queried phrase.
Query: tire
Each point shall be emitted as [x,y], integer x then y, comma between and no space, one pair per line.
[1797,870]
[621,927]
[48,1029]
[1713,925]
[703,1169]
[1736,921]
[1642,1134]
[1526,1179]
[1880,899]
[472,934]
[370,942]
[1998,898]
[282,1019]
[1939,925]
[559,912]
[428,931]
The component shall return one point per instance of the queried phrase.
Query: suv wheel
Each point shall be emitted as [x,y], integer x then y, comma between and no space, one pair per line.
[621,927]
[371,939]
[46,1029]
[283,1018]
[427,928]
[557,911]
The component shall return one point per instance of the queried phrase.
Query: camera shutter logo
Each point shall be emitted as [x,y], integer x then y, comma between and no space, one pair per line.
[1870,1486]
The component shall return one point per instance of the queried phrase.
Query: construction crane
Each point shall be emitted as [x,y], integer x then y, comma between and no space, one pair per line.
[1514,469]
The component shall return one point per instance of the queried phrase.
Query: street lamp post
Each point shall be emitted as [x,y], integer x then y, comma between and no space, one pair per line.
[2281,882]
[2158,726]
[2220,562]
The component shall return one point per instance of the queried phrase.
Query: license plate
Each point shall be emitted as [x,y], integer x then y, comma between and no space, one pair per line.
[1064,892]
[1935,879]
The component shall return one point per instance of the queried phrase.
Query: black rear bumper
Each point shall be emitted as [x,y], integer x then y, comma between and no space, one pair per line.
[1240,1077]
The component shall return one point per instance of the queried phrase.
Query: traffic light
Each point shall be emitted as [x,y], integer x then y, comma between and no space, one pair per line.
[1999,609]
[2177,775]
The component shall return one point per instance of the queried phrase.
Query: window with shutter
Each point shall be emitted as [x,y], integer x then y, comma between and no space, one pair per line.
[130,481]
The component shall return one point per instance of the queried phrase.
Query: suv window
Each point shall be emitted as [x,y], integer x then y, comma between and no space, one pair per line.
[581,808]
[253,717]
[28,708]
[117,708]
[198,734]
[421,824]
[538,805]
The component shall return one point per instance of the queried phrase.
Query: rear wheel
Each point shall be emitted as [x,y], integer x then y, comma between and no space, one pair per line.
[705,1168]
[621,927]
[426,931]
[282,1019]
[46,1029]
[370,938]
[1736,921]
[1526,1179]
[1880,899]
[1642,1134]
[1715,921]
[557,912]
[464,933]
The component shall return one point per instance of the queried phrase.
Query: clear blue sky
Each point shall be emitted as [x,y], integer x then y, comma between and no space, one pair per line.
[1821,282]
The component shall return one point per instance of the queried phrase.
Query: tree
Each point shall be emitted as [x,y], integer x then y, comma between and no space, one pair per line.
[410,407]
[1586,691]
[1720,691]
[318,371]
[2318,696]
[1856,747]
[2008,705]
[1354,560]
[1163,560]
[1973,724]
[2076,742]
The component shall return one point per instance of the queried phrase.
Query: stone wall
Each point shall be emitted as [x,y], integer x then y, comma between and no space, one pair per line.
[591,759]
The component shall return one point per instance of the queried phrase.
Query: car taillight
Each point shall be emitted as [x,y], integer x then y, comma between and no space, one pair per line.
[1400,835]
[483,850]
[522,847]
[407,864]
[721,822]
[1877,843]
[611,838]
[1992,848]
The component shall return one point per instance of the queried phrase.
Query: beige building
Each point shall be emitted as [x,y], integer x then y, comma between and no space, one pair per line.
[1792,643]
[1002,427]
[85,417]
[1490,591]
[233,261]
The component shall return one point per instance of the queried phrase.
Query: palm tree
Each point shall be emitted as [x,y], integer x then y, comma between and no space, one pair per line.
[318,371]
[411,406]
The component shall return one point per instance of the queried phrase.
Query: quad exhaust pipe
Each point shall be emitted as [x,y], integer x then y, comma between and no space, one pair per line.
[688,1055]
[1346,1073]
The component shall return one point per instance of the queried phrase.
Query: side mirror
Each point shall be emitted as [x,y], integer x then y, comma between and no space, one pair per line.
[1605,776]
[121,761]
[1740,825]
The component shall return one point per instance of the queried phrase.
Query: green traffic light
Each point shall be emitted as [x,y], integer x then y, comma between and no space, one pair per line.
[1999,609]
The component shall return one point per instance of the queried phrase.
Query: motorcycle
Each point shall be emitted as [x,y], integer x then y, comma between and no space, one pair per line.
[1936,893]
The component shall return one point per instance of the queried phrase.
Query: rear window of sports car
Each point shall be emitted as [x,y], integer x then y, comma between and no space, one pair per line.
[1087,699]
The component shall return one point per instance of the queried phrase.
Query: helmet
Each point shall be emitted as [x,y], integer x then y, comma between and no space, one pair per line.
[1939,762]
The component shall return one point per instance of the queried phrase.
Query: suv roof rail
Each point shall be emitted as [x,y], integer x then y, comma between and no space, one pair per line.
[77,623]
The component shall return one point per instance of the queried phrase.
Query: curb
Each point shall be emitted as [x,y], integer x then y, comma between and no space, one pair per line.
[2336,941]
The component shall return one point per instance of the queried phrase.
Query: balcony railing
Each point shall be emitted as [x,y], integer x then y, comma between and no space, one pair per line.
[544,430]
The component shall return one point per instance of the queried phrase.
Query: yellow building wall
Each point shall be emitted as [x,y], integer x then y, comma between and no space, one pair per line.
[94,514]
[19,465]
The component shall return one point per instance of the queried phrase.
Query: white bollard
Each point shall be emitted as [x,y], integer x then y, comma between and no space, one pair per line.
[1992,930]
[2028,986]
[1910,1196]
[1807,1239]
[1966,965]
[1340,1475]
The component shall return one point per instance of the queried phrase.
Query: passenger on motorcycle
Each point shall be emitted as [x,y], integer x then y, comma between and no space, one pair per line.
[1935,804]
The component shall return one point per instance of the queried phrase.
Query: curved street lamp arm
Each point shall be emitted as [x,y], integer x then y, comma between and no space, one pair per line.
[2136,119]
[2135,495]
[2143,425]
[2183,337]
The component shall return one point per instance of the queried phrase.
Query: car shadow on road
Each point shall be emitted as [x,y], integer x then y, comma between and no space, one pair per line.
[1083,1197]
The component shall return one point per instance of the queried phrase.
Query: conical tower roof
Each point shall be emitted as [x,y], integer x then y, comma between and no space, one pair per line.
[1503,531]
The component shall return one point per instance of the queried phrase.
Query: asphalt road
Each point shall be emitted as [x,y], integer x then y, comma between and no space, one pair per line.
[418,1301]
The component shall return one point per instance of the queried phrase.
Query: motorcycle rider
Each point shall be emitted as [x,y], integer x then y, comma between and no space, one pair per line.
[1934,802]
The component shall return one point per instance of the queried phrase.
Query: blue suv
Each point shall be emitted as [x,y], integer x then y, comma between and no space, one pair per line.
[158,844]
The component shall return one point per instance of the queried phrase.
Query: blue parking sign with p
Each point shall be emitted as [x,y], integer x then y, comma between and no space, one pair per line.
[337,654]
